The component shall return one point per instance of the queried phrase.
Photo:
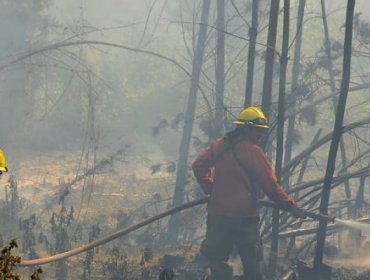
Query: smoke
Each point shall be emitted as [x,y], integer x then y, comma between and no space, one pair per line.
[365,228]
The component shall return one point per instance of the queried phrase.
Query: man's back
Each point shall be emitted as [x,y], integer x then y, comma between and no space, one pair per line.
[234,171]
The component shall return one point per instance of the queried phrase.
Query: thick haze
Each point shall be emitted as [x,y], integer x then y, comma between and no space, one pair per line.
[92,102]
[45,99]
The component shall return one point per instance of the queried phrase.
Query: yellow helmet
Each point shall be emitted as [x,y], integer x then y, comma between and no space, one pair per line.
[3,167]
[252,116]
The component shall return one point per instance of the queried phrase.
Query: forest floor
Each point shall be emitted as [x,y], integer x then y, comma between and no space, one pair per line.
[120,194]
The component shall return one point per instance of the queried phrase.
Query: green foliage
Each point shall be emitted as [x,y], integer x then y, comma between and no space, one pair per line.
[156,129]
[93,234]
[117,265]
[36,274]
[309,115]
[28,237]
[210,127]
[164,123]
[362,28]
[10,209]
[8,262]
[168,167]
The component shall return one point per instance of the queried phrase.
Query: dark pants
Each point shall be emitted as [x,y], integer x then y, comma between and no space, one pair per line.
[225,233]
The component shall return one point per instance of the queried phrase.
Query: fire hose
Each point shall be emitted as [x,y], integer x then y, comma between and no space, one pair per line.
[312,215]
[141,224]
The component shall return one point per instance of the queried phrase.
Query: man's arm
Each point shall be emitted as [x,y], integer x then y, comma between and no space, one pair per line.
[202,169]
[264,176]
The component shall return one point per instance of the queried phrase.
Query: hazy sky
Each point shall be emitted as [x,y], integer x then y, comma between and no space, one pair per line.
[124,11]
[112,12]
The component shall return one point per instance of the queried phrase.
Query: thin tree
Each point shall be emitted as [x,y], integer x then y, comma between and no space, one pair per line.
[280,135]
[296,69]
[251,54]
[296,195]
[182,166]
[270,57]
[220,64]
[327,45]
[337,133]
[357,213]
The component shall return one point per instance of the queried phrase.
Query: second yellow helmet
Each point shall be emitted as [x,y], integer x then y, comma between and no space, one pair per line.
[3,167]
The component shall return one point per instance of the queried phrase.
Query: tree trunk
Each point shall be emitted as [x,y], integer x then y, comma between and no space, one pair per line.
[251,54]
[280,136]
[295,76]
[355,239]
[182,166]
[327,45]
[357,211]
[296,195]
[270,57]
[220,65]
[338,127]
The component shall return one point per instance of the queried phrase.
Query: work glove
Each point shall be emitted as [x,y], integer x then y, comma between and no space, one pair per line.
[297,211]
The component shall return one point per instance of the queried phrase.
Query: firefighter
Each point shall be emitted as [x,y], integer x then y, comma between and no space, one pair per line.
[232,171]
[3,167]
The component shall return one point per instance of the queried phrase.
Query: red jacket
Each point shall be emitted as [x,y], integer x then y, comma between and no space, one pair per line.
[234,189]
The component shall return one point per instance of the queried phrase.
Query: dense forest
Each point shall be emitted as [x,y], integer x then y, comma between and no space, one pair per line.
[106,104]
